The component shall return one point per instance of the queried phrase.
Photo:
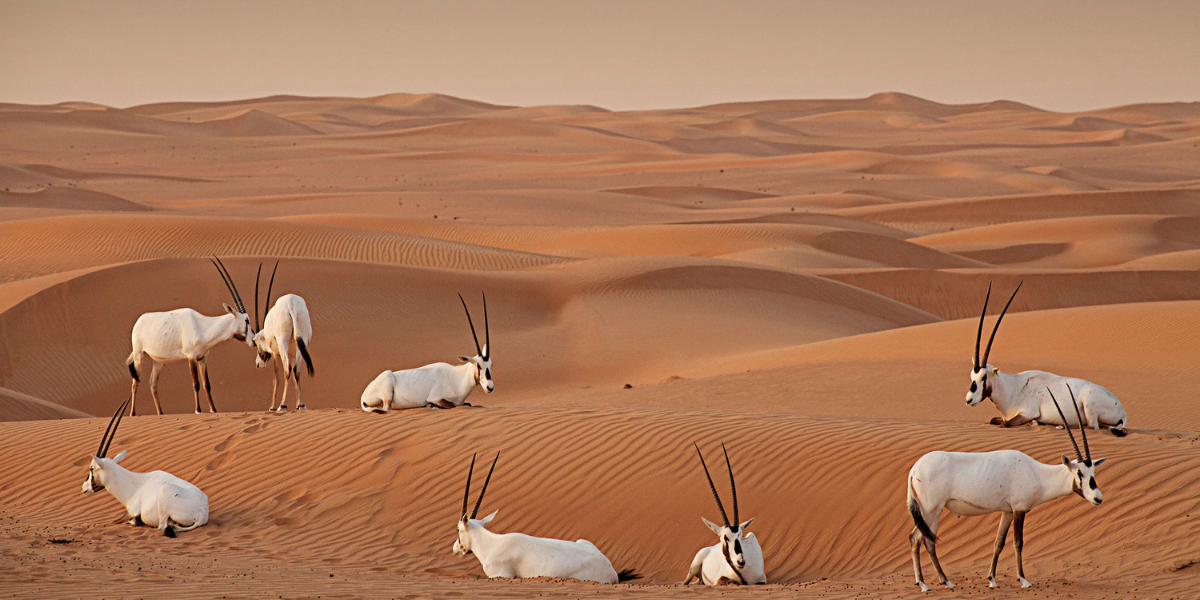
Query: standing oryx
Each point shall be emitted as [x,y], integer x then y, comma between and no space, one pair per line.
[1005,481]
[186,334]
[516,555]
[438,385]
[158,498]
[287,324]
[737,558]
[1019,396]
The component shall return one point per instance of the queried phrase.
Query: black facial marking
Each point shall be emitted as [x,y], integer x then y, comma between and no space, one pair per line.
[1093,483]
[489,373]
[974,387]
[737,546]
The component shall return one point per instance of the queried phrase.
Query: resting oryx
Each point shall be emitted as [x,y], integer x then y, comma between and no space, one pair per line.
[158,498]
[287,325]
[517,556]
[186,334]
[1019,396]
[438,385]
[1005,481]
[737,558]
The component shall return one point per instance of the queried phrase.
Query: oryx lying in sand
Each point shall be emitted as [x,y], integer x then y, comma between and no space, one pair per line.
[1020,397]
[184,334]
[516,555]
[438,385]
[158,498]
[1005,481]
[284,335]
[736,559]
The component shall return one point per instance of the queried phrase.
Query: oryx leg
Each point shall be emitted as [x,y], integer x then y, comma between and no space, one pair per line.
[195,369]
[1006,519]
[442,403]
[914,539]
[299,392]
[284,355]
[1019,543]
[1016,421]
[155,370]
[274,383]
[134,367]
[207,384]
[696,568]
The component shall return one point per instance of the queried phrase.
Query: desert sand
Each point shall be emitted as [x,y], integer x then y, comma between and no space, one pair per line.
[798,279]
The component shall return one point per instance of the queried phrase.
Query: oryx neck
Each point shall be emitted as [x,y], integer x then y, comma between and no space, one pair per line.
[729,561]
[482,540]
[122,483]
[1058,481]
[220,328]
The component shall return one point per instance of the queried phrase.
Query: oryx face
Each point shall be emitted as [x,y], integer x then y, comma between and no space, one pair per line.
[1085,479]
[483,369]
[245,330]
[98,471]
[981,385]
[731,541]
[462,545]
[468,525]
[263,346]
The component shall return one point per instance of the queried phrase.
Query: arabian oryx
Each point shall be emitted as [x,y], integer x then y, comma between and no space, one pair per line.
[158,498]
[184,334]
[736,559]
[287,325]
[438,385]
[1006,481]
[1019,396]
[517,556]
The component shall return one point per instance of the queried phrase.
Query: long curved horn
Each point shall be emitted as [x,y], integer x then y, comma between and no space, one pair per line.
[478,350]
[467,493]
[716,496]
[736,520]
[487,332]
[988,352]
[1066,426]
[979,334]
[483,491]
[233,291]
[111,431]
[256,277]
[1082,430]
[267,304]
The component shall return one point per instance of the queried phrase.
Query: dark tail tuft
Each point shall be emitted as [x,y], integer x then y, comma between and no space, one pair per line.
[133,372]
[169,531]
[922,526]
[1121,432]
[304,353]
[627,575]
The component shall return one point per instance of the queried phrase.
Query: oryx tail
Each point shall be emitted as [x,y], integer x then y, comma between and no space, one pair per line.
[914,508]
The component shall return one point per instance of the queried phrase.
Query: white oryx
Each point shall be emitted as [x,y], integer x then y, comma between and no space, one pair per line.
[158,498]
[736,559]
[184,334]
[438,385]
[1006,481]
[1019,396]
[286,326]
[517,556]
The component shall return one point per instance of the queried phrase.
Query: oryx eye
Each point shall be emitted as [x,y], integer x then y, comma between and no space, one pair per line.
[1093,483]
[737,546]
[974,386]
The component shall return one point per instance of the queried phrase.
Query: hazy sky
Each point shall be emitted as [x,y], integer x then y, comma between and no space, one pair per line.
[640,54]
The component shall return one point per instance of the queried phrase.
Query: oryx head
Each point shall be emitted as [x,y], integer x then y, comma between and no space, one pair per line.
[261,343]
[462,546]
[1083,466]
[731,534]
[981,371]
[244,332]
[101,466]
[483,356]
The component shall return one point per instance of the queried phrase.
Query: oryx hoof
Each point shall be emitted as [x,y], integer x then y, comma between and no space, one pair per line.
[924,588]
[948,584]
[997,421]
[992,583]
[301,407]
[282,407]
[1025,584]
[199,412]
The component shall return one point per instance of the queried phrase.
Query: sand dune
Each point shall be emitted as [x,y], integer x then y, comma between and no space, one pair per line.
[800,279]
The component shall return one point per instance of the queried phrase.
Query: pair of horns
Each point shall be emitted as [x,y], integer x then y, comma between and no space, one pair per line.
[111,431]
[979,335]
[1082,430]
[467,494]
[487,340]
[228,279]
[732,486]
[267,304]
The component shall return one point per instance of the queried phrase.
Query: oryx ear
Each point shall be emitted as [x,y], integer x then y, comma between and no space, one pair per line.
[119,457]
[743,526]
[1097,463]
[1066,461]
[713,526]
[488,519]
[229,309]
